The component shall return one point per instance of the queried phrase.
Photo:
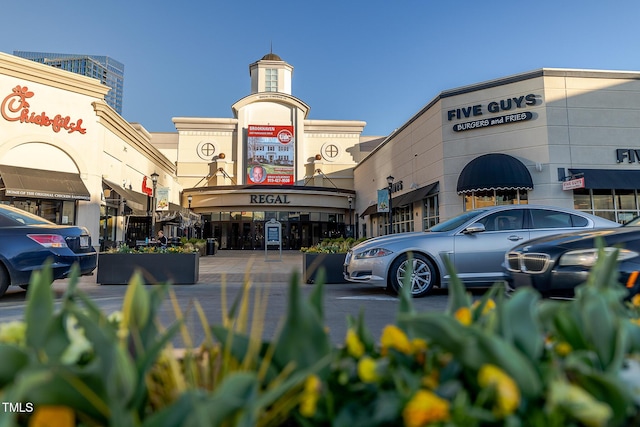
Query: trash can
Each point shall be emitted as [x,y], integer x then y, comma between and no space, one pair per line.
[211,246]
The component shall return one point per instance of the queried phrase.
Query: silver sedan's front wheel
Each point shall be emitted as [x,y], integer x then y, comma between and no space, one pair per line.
[417,270]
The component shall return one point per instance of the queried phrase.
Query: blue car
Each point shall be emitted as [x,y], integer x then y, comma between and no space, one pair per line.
[27,241]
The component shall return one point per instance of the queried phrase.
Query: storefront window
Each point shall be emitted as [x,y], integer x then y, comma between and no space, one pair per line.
[626,199]
[245,230]
[68,212]
[507,197]
[602,199]
[481,199]
[582,200]
[616,205]
[626,216]
[402,219]
[56,211]
[431,212]
[108,217]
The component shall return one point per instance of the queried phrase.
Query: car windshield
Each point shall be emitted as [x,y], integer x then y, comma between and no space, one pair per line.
[22,217]
[456,221]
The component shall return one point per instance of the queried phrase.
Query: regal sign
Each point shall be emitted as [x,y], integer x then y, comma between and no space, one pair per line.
[15,108]
[269,199]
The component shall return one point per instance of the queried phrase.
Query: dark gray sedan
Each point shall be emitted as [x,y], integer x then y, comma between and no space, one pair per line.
[558,264]
[475,241]
[27,241]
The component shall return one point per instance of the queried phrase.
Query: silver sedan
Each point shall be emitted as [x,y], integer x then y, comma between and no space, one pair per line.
[474,241]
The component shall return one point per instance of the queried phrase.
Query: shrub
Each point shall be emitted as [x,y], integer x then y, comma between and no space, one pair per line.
[182,249]
[333,246]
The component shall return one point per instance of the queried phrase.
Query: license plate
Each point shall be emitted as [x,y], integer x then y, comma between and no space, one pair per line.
[84,241]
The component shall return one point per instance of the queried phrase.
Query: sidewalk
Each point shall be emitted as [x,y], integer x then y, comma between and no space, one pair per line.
[234,265]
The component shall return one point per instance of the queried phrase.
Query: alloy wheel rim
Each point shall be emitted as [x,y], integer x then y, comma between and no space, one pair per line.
[420,278]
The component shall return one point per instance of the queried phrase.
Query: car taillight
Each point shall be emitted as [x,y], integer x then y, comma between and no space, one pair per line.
[49,240]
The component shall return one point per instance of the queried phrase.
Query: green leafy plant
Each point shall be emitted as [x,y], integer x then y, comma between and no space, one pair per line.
[333,246]
[186,248]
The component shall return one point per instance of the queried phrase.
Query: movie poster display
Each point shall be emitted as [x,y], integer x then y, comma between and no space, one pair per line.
[270,155]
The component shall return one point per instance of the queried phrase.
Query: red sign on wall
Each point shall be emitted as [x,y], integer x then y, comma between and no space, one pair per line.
[573,184]
[146,190]
[15,108]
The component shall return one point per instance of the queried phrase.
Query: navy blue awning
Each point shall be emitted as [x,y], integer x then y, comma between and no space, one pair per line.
[494,171]
[608,179]
[415,195]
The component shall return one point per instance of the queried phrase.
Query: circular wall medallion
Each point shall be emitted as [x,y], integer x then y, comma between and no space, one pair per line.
[330,151]
[206,150]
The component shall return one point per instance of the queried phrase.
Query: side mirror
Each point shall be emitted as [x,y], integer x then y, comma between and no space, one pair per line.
[476,227]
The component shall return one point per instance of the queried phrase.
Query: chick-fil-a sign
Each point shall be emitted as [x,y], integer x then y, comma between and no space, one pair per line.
[15,108]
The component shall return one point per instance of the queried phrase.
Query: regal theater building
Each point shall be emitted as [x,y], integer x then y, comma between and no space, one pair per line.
[268,161]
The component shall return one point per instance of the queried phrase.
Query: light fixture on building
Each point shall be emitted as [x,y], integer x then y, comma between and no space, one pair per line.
[154,180]
[350,232]
[189,200]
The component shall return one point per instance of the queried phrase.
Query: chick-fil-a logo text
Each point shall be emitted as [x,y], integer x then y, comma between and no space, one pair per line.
[15,108]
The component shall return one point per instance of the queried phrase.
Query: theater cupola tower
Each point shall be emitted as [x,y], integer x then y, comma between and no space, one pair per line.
[271,74]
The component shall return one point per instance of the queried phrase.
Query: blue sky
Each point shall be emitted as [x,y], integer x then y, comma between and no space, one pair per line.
[376,61]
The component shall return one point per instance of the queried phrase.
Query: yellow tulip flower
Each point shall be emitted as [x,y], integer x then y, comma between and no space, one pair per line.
[425,407]
[354,346]
[463,315]
[367,370]
[394,337]
[310,396]
[507,392]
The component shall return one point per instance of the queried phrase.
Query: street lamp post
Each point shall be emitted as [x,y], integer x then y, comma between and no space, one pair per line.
[389,188]
[350,233]
[154,180]
[189,199]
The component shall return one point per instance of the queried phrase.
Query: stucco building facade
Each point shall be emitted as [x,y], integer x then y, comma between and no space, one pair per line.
[305,166]
[559,137]
[69,157]
[563,137]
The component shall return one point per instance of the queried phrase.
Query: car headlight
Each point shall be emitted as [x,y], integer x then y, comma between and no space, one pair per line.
[373,253]
[588,257]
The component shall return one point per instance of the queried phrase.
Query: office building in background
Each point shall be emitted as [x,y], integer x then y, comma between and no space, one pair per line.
[107,70]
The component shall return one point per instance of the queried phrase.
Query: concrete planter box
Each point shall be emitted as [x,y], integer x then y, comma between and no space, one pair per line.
[333,265]
[179,269]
